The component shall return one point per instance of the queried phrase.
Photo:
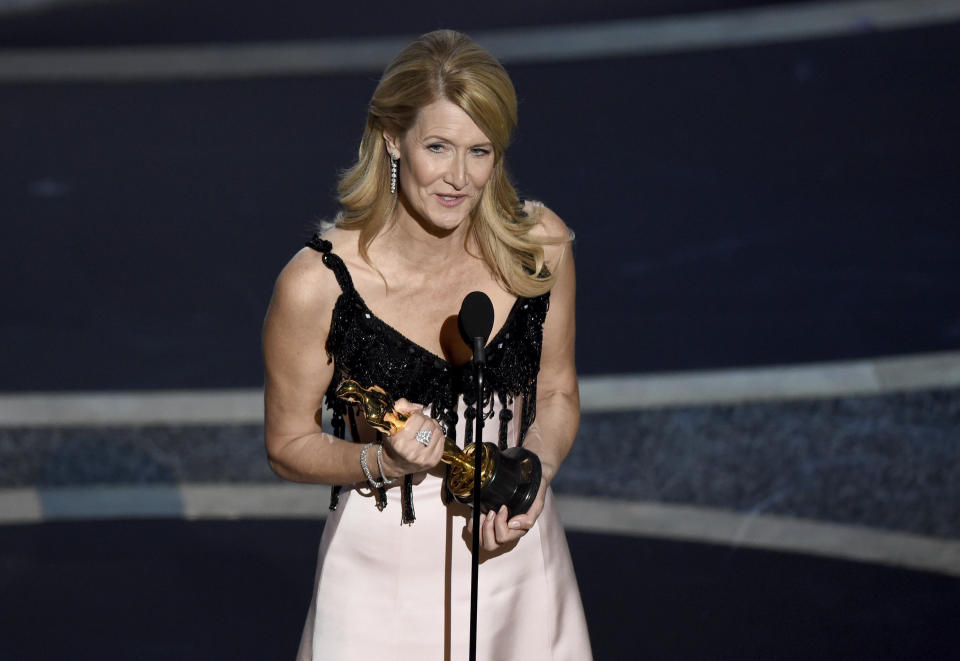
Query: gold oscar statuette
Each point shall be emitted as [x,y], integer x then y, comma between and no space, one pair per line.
[511,477]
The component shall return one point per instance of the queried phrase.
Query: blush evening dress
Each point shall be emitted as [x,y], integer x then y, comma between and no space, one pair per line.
[393,583]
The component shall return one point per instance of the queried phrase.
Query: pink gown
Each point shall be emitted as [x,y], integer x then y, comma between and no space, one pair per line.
[389,590]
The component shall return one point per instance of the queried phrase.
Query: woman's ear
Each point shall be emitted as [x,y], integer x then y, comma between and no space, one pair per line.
[393,145]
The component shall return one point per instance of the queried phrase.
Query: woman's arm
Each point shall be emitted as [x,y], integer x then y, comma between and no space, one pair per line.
[297,374]
[558,395]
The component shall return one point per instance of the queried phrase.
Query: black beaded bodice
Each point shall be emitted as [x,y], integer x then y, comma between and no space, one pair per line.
[368,350]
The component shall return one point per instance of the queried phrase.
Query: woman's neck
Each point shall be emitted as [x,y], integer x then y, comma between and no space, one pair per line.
[409,242]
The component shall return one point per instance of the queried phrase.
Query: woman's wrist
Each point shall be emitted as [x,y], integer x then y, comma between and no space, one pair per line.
[547,472]
[547,466]
[383,474]
[366,462]
[389,463]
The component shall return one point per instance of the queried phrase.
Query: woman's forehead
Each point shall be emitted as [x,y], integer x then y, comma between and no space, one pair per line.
[444,119]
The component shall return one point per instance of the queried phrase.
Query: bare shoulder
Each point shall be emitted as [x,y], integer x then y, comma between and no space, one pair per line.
[306,287]
[346,246]
[551,228]
[548,225]
[346,243]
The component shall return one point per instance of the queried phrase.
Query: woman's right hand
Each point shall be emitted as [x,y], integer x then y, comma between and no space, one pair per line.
[403,453]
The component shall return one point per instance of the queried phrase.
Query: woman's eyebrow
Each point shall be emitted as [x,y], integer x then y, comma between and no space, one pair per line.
[437,137]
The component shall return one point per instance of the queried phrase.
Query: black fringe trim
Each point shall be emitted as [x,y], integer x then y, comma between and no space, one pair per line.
[406,497]
[338,431]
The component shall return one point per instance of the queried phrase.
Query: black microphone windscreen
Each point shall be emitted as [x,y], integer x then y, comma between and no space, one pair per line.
[476,317]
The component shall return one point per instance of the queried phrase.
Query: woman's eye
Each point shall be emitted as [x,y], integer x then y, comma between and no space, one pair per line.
[480,151]
[435,148]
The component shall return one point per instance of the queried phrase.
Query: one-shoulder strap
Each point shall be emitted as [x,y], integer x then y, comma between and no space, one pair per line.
[332,261]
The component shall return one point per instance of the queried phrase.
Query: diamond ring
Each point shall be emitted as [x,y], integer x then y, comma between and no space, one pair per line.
[424,436]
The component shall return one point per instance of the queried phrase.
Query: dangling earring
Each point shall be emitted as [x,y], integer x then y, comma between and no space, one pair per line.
[393,174]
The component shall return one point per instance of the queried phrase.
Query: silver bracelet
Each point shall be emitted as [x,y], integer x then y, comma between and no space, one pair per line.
[376,484]
[383,476]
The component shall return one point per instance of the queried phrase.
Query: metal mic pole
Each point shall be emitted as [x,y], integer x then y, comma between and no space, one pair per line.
[478,363]
[476,321]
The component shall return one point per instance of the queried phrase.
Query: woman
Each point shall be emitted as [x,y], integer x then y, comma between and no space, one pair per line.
[428,215]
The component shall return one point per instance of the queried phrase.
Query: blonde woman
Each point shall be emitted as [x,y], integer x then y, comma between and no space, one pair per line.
[429,215]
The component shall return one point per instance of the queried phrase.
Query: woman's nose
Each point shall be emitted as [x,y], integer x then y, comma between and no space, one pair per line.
[457,173]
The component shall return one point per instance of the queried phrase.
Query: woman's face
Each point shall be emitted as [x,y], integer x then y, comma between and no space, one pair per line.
[445,161]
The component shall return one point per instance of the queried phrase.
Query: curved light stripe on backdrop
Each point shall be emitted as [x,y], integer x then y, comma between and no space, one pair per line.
[559,43]
[581,514]
[619,392]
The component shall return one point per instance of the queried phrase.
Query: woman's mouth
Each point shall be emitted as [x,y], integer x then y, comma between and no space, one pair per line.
[450,200]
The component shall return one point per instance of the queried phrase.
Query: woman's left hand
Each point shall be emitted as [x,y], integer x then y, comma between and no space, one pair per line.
[496,530]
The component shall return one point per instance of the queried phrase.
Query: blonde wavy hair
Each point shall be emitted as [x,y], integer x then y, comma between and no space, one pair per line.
[448,65]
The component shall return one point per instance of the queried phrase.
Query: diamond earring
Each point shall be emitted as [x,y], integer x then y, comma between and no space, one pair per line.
[393,174]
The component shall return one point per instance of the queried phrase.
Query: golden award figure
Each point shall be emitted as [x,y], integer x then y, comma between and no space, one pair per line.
[511,477]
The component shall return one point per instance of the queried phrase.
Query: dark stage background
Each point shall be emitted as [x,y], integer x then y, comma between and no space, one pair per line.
[784,202]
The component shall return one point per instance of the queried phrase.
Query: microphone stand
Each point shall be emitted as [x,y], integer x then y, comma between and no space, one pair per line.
[479,360]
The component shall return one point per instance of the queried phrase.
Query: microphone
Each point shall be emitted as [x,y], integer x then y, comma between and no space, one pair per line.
[476,321]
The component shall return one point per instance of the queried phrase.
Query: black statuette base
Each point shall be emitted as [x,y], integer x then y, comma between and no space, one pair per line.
[514,481]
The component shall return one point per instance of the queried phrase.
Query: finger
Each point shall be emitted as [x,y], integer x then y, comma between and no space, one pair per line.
[500,524]
[520,522]
[424,439]
[469,526]
[408,434]
[525,521]
[426,435]
[483,532]
[438,451]
[405,453]
[489,535]
[407,407]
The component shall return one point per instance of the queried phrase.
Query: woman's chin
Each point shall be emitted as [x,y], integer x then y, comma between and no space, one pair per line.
[438,219]
[444,222]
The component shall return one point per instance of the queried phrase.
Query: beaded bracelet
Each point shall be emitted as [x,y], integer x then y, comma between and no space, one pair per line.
[376,484]
[383,476]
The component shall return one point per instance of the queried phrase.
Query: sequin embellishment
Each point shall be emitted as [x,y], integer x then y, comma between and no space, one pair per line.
[372,352]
